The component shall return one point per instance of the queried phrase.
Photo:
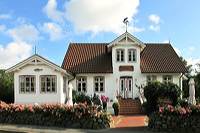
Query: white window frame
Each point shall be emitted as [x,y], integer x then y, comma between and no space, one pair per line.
[132,51]
[64,84]
[25,76]
[99,82]
[81,82]
[152,78]
[48,76]
[167,80]
[120,55]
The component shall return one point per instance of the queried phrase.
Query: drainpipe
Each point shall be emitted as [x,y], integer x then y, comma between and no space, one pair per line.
[180,83]
[74,76]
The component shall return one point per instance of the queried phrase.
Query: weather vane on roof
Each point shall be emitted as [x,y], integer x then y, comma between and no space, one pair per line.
[126,22]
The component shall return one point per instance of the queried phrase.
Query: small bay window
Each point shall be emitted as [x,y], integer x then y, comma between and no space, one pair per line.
[27,83]
[48,83]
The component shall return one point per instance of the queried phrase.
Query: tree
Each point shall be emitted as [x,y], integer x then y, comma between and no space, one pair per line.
[6,87]
[188,75]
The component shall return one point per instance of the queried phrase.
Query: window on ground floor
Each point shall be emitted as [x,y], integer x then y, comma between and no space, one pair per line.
[27,83]
[81,84]
[151,78]
[48,83]
[64,84]
[99,84]
[167,78]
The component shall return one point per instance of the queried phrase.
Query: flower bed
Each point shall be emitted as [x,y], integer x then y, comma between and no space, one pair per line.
[176,119]
[61,115]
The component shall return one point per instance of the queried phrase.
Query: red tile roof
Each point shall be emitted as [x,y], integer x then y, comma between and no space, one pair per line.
[88,58]
[93,58]
[160,58]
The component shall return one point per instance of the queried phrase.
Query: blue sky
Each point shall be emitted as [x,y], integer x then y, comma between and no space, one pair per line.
[51,24]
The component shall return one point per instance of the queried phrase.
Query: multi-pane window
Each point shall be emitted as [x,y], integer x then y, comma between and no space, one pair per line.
[99,84]
[151,78]
[48,83]
[81,84]
[167,79]
[131,55]
[120,55]
[27,83]
[64,84]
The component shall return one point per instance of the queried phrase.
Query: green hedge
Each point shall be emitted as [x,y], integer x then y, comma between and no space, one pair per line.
[156,89]
[79,116]
[176,119]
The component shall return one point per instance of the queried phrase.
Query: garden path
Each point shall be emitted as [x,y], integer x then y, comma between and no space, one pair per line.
[130,123]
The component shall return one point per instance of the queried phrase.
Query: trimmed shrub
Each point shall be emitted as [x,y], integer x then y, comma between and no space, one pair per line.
[176,119]
[116,105]
[62,115]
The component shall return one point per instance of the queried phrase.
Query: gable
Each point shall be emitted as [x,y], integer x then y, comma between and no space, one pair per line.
[37,60]
[126,39]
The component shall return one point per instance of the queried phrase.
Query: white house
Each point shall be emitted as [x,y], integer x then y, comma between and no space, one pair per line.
[37,80]
[101,68]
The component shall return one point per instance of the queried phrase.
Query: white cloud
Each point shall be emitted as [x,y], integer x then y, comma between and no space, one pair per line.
[154,28]
[18,49]
[5,16]
[24,32]
[193,62]
[14,53]
[52,13]
[154,18]
[2,28]
[54,30]
[177,50]
[166,41]
[190,49]
[101,15]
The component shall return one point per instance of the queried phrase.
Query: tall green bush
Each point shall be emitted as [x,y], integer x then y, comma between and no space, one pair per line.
[6,87]
[81,98]
[155,90]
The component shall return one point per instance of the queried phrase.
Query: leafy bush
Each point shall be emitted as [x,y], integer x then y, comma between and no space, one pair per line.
[6,87]
[178,110]
[183,102]
[116,105]
[156,89]
[79,116]
[144,104]
[81,98]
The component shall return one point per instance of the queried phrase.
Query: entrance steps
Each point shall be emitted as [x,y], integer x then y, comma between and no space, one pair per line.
[130,107]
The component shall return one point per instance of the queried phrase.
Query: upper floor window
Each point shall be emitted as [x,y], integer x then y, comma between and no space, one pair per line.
[48,83]
[131,55]
[120,55]
[167,78]
[99,84]
[151,78]
[27,83]
[81,84]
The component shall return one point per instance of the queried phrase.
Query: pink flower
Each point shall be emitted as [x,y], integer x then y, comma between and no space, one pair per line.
[88,112]
[44,110]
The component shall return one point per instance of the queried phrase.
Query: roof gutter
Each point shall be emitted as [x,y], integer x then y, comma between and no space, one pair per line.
[74,76]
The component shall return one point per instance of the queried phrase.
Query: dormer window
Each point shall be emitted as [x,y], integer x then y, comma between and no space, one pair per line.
[120,55]
[131,55]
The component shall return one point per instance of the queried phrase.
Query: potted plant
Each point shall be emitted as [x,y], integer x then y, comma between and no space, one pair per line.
[116,106]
